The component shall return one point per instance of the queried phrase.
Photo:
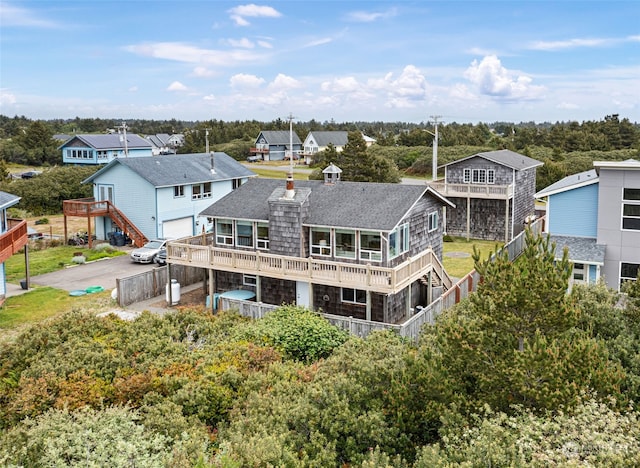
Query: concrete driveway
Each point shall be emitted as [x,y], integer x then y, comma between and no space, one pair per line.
[99,273]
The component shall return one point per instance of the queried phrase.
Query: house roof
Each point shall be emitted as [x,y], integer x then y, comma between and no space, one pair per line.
[507,158]
[8,199]
[159,139]
[279,137]
[355,205]
[179,169]
[581,249]
[110,141]
[620,165]
[336,138]
[569,183]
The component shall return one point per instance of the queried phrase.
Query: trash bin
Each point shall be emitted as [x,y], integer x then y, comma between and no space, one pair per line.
[175,292]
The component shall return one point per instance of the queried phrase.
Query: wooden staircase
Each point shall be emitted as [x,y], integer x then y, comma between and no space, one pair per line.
[90,208]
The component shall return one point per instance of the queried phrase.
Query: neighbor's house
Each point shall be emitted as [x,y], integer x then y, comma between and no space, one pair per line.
[493,193]
[102,149]
[158,196]
[13,236]
[277,145]
[315,142]
[365,250]
[596,215]
[160,144]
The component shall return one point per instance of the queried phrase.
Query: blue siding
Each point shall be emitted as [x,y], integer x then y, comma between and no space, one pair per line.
[92,158]
[574,212]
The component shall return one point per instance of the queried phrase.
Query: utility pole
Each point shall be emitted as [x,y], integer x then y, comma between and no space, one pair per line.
[434,168]
[123,137]
[291,117]
[206,140]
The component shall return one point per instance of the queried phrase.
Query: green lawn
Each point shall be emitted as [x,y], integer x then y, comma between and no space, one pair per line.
[51,259]
[460,266]
[276,174]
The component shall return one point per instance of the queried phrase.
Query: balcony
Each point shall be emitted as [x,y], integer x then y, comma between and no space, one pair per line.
[85,207]
[196,252]
[258,150]
[485,191]
[14,239]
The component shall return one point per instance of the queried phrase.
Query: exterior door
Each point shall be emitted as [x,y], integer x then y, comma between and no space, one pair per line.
[105,192]
[302,293]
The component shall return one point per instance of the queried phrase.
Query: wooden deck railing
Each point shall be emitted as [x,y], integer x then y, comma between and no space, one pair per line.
[194,252]
[14,239]
[487,191]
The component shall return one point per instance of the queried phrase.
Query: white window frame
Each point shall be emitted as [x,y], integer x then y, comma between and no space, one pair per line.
[225,238]
[249,280]
[242,239]
[178,191]
[262,243]
[353,296]
[466,176]
[350,251]
[372,255]
[322,246]
[633,204]
[628,278]
[203,193]
[479,176]
[399,241]
[432,221]
[491,176]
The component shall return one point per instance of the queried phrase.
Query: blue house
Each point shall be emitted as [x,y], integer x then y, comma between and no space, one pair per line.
[13,236]
[277,145]
[158,196]
[102,149]
[596,215]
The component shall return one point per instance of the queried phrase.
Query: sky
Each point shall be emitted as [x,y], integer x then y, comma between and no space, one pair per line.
[407,61]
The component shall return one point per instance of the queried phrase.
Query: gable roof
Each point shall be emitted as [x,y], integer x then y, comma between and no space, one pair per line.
[569,183]
[180,169]
[8,199]
[110,141]
[336,138]
[505,157]
[581,249]
[279,137]
[355,205]
[620,165]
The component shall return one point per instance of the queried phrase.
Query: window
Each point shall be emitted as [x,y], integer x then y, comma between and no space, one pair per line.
[244,233]
[263,236]
[479,176]
[345,244]
[466,176]
[178,191]
[628,272]
[199,191]
[631,209]
[249,280]
[579,271]
[433,221]
[491,176]
[370,246]
[399,241]
[224,232]
[235,183]
[320,241]
[354,296]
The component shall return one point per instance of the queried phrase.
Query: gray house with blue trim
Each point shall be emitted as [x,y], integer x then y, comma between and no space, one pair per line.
[163,195]
[102,149]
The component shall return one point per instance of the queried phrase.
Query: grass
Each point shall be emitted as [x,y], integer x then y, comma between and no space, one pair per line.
[460,266]
[51,259]
[276,174]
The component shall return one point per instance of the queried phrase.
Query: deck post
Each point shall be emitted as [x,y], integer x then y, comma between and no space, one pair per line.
[212,288]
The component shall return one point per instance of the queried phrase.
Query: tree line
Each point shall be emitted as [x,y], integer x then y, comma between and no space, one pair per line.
[521,373]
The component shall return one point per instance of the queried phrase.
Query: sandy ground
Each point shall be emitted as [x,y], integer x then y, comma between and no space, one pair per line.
[55,227]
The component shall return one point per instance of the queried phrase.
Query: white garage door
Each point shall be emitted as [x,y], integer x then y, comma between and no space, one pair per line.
[178,228]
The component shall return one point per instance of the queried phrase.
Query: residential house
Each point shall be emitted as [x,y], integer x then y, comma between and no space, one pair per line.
[158,196]
[596,215]
[365,250]
[493,193]
[102,149]
[277,145]
[315,142]
[176,140]
[13,236]
[160,144]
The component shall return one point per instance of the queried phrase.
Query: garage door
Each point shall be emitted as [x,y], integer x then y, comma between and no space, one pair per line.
[177,228]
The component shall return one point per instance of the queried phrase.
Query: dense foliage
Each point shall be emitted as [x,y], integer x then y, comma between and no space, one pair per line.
[521,374]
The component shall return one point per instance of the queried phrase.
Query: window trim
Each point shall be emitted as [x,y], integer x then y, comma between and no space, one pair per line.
[369,254]
[401,244]
[203,193]
[631,202]
[178,191]
[224,239]
[433,220]
[466,176]
[241,240]
[249,280]
[262,243]
[624,279]
[351,254]
[323,247]
[357,293]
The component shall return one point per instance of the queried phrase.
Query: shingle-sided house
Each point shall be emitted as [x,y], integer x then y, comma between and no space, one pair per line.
[276,145]
[493,193]
[161,196]
[572,222]
[370,251]
[102,149]
[596,215]
[316,142]
[13,236]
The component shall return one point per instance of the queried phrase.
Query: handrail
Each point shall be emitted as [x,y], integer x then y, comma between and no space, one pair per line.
[473,190]
[13,239]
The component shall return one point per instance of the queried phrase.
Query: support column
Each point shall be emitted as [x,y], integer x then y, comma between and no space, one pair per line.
[27,275]
[311,306]
[66,237]
[212,288]
[468,217]
[506,221]
[169,288]
[89,236]
[258,289]
[408,302]
[368,313]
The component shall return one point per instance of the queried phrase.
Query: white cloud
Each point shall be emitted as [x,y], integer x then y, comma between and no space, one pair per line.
[6,98]
[243,80]
[369,17]
[177,86]
[346,84]
[203,72]
[243,43]
[209,97]
[491,78]
[317,42]
[567,105]
[568,44]
[284,82]
[265,44]
[241,12]
[133,89]
[187,53]
[16,16]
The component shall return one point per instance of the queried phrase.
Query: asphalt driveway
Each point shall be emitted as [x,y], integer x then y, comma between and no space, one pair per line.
[99,273]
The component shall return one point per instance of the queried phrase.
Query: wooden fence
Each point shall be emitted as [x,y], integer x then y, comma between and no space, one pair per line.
[152,283]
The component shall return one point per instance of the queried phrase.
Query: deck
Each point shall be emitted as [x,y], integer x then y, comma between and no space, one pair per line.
[14,239]
[488,191]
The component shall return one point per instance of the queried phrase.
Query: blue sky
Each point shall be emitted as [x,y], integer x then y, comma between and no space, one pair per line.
[342,60]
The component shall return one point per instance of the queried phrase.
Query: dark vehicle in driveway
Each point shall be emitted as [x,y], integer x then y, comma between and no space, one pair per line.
[148,252]
[30,174]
